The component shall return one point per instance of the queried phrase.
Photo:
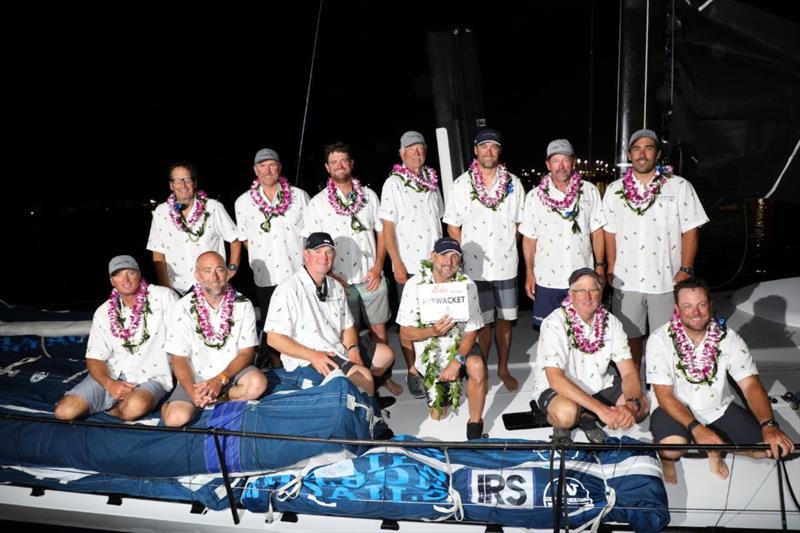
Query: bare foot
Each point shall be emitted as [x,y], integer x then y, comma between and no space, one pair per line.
[509,381]
[438,414]
[717,465]
[393,387]
[670,473]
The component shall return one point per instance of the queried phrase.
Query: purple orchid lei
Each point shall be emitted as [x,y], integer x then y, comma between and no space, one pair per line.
[426,181]
[572,198]
[138,317]
[575,329]
[199,211]
[211,338]
[640,203]
[479,191]
[357,201]
[284,202]
[700,369]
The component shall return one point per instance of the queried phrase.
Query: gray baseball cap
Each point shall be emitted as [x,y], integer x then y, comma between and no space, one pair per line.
[265,154]
[121,261]
[560,146]
[642,133]
[411,137]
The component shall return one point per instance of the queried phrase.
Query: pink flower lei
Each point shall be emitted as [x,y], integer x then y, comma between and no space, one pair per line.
[572,198]
[357,201]
[640,203]
[138,317]
[479,191]
[426,181]
[284,198]
[575,329]
[199,211]
[211,338]
[701,369]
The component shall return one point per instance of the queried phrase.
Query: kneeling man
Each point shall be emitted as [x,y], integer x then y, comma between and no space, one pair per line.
[443,347]
[310,324]
[575,384]
[211,338]
[688,362]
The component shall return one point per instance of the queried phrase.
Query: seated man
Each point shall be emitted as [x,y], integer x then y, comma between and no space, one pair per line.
[211,337]
[443,347]
[128,367]
[688,360]
[574,382]
[310,324]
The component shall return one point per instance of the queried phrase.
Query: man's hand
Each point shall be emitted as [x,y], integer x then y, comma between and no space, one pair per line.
[704,435]
[442,326]
[373,278]
[323,362]
[680,276]
[601,272]
[780,445]
[206,392]
[231,273]
[451,371]
[119,390]
[617,417]
[530,285]
[354,355]
[400,273]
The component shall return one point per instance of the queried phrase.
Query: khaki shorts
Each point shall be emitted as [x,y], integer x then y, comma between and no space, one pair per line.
[637,310]
[368,307]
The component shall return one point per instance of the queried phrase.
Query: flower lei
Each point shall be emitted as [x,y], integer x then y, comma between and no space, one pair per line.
[429,358]
[575,329]
[479,191]
[211,338]
[141,308]
[573,196]
[186,225]
[357,201]
[284,198]
[631,195]
[702,369]
[426,181]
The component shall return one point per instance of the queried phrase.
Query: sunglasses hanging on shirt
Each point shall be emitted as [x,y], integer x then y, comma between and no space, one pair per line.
[322,292]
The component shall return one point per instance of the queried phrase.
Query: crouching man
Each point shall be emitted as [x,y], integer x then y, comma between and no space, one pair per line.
[443,347]
[575,383]
[689,360]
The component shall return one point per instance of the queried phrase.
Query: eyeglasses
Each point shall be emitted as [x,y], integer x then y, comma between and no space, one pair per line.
[181,180]
[583,292]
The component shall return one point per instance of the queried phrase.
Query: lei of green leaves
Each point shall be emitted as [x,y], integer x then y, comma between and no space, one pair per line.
[194,236]
[429,356]
[572,216]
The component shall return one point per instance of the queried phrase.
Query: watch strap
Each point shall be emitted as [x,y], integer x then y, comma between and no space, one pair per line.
[693,424]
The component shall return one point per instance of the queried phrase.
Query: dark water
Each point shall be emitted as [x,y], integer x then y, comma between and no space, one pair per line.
[57,259]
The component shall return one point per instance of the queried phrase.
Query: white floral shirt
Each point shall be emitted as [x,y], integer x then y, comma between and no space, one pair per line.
[707,402]
[179,250]
[417,219]
[277,254]
[590,372]
[149,361]
[183,338]
[488,237]
[560,251]
[356,251]
[297,312]
[649,245]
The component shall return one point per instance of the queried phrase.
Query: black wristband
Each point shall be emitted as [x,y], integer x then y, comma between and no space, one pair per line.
[693,424]
[688,270]
[353,346]
[600,264]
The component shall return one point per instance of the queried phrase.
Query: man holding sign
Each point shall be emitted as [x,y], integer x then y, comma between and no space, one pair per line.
[440,314]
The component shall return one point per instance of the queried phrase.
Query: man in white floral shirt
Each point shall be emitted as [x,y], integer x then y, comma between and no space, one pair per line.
[211,338]
[689,361]
[443,347]
[269,219]
[483,213]
[348,211]
[186,225]
[651,238]
[128,367]
[575,383]
[562,230]
[411,212]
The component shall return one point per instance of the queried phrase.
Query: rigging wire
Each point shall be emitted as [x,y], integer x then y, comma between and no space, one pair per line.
[308,96]
[744,253]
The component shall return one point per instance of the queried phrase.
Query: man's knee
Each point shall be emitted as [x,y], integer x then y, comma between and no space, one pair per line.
[136,406]
[71,407]
[563,413]
[476,369]
[383,358]
[176,414]
[672,455]
[253,384]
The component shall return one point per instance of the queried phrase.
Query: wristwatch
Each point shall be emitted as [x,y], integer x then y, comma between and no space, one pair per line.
[770,423]
[232,267]
[600,264]
[223,379]
[688,270]
[693,424]
[637,401]
[460,358]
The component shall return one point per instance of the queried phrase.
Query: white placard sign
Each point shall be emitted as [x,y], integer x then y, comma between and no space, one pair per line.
[439,299]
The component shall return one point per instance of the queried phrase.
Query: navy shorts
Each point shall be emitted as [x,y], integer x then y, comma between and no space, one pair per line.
[737,426]
[547,300]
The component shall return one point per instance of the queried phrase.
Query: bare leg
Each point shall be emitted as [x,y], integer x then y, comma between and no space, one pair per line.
[362,378]
[485,341]
[476,388]
[716,463]
[378,332]
[251,386]
[669,457]
[136,405]
[563,413]
[71,407]
[178,413]
[502,338]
